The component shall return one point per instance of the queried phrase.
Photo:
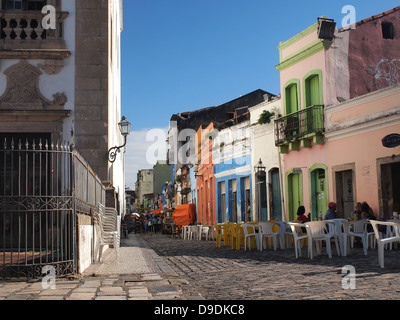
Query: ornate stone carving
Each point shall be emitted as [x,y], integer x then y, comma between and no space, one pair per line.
[23,91]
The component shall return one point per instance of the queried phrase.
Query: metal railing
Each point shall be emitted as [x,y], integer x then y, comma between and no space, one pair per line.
[299,125]
[27,25]
[43,186]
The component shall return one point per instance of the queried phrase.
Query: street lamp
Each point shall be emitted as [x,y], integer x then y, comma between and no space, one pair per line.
[259,167]
[125,128]
[260,173]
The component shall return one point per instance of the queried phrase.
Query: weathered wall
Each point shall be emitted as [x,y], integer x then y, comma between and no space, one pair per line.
[374,62]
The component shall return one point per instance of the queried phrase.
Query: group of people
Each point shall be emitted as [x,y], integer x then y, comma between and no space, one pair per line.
[152,224]
[143,224]
[362,211]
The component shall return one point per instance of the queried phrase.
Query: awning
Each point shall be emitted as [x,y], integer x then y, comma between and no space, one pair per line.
[157,211]
[184,214]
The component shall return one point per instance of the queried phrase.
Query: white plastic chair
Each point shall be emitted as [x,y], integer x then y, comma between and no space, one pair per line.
[317,231]
[286,233]
[390,231]
[185,232]
[193,232]
[359,230]
[266,232]
[204,231]
[107,219]
[371,240]
[250,232]
[381,242]
[297,237]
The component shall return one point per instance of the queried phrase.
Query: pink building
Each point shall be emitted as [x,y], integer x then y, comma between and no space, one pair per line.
[340,98]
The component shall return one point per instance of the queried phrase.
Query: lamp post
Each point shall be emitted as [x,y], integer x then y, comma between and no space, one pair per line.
[125,128]
[260,171]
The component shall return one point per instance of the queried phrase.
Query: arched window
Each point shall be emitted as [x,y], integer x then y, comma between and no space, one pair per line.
[312,83]
[292,96]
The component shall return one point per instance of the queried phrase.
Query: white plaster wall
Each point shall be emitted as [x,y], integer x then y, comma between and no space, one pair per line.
[263,142]
[85,241]
[62,82]
[114,103]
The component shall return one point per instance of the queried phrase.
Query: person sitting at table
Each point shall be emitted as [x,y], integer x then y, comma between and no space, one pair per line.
[301,217]
[331,212]
[356,214]
[367,213]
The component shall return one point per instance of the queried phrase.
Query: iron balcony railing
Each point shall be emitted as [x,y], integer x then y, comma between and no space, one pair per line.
[299,125]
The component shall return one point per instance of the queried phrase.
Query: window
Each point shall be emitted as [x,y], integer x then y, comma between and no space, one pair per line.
[312,91]
[36,4]
[291,98]
[387,30]
[13,5]
[18,5]
[312,88]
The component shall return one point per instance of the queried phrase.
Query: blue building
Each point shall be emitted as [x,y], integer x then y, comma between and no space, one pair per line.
[233,173]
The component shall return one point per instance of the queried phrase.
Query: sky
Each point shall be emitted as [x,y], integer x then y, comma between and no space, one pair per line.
[183,55]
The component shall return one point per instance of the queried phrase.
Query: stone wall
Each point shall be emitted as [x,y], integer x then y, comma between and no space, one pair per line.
[91,83]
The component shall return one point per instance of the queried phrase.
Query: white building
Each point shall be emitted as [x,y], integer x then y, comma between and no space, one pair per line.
[63,86]
[266,188]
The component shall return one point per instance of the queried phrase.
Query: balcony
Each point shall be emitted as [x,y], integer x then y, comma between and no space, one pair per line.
[300,128]
[22,36]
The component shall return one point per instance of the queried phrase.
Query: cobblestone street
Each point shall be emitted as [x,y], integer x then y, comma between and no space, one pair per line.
[226,274]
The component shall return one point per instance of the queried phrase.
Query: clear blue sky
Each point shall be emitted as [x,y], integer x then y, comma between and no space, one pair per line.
[182,55]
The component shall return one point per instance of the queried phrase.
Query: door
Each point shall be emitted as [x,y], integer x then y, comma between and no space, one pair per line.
[344,193]
[295,194]
[275,196]
[261,197]
[319,193]
[390,184]
[292,106]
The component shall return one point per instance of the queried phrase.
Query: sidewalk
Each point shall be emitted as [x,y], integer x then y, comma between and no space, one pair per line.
[140,275]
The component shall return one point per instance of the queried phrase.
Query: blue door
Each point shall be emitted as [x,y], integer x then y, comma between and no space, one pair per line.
[276,200]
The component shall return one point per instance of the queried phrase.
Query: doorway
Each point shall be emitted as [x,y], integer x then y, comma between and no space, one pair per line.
[344,193]
[319,193]
[275,195]
[261,196]
[295,194]
[390,189]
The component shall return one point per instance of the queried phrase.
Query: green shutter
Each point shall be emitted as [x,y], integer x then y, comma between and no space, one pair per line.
[312,91]
[291,99]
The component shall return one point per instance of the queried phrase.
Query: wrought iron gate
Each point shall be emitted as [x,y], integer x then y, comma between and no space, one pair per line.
[37,207]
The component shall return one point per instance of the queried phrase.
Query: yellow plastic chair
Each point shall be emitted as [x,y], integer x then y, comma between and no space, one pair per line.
[219,232]
[240,235]
[233,235]
[225,233]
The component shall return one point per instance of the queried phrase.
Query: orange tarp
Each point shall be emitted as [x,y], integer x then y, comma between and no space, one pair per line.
[157,211]
[184,214]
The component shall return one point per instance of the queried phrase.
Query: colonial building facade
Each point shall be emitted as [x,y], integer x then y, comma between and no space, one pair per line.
[338,95]
[60,95]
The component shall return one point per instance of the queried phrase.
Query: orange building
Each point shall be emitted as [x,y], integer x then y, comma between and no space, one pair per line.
[205,181]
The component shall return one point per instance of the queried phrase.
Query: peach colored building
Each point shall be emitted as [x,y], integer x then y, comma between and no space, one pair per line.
[355,132]
[339,95]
